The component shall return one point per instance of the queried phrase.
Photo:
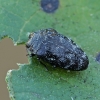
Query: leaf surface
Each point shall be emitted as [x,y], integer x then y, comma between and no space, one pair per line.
[77,19]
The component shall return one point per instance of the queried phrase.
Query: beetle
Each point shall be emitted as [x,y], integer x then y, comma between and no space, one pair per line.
[58,50]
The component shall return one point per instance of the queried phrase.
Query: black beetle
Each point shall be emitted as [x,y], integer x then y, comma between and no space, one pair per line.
[56,49]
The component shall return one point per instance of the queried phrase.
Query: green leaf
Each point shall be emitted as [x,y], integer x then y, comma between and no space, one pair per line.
[77,19]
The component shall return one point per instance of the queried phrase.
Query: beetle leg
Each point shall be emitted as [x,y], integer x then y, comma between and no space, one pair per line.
[30,55]
[43,64]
